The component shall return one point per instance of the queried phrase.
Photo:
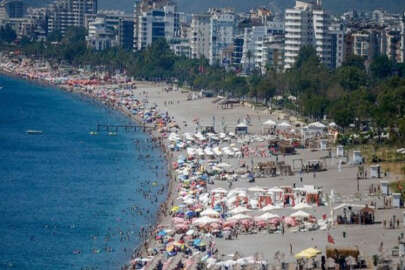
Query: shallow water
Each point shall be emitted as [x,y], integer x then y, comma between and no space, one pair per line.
[65,191]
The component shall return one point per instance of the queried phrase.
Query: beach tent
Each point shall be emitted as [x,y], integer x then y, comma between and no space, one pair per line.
[308,253]
[241,128]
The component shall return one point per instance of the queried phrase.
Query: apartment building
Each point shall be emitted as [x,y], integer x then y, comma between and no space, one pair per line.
[64,14]
[307,24]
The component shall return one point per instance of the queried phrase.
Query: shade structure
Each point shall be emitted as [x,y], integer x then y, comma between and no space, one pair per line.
[308,253]
[316,125]
[209,212]
[266,216]
[206,220]
[256,189]
[270,123]
[239,210]
[239,217]
[300,214]
[284,125]
[270,207]
[302,206]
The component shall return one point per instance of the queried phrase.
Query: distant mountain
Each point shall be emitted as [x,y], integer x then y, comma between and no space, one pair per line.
[335,6]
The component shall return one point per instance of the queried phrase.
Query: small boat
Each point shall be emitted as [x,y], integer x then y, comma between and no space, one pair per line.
[112,133]
[93,132]
[33,132]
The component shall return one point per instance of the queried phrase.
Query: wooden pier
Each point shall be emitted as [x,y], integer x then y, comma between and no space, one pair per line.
[126,128]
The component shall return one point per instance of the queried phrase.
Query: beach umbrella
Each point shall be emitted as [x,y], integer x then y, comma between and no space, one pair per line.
[239,210]
[300,214]
[270,207]
[302,205]
[284,125]
[161,233]
[175,209]
[266,216]
[270,123]
[308,253]
[219,190]
[190,232]
[239,217]
[256,189]
[209,212]
[205,220]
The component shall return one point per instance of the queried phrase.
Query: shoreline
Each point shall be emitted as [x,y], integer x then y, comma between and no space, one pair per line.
[155,139]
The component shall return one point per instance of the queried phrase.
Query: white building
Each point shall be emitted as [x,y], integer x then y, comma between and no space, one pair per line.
[157,23]
[255,38]
[200,36]
[307,24]
[269,53]
[222,24]
[100,35]
[67,13]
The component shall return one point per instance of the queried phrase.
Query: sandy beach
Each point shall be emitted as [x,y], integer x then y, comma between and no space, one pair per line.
[136,99]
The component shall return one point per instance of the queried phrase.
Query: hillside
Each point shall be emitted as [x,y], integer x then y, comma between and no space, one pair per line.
[335,6]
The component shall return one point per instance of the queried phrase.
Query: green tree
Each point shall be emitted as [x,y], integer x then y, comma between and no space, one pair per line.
[381,67]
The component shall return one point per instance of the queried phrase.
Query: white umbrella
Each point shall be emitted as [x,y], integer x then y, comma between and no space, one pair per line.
[269,123]
[300,214]
[256,189]
[239,217]
[267,216]
[270,208]
[209,212]
[219,190]
[284,125]
[205,220]
[302,205]
[239,210]
[317,125]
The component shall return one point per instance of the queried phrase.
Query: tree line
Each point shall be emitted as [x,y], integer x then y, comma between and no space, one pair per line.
[358,92]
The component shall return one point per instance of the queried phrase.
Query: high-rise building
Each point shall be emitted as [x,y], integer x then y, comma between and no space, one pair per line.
[222,25]
[11,9]
[200,36]
[122,25]
[67,13]
[154,20]
[337,37]
[307,24]
[101,35]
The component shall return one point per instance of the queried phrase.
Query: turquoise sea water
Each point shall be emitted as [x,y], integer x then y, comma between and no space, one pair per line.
[69,200]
